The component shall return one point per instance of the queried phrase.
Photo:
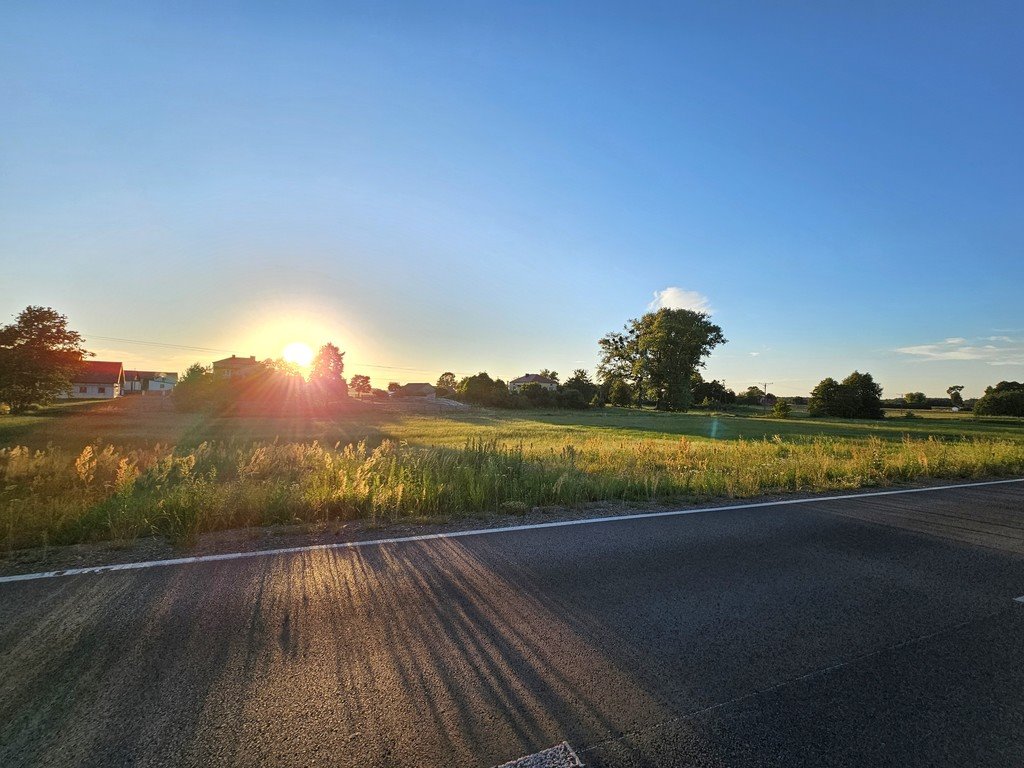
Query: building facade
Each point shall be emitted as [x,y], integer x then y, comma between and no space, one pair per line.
[97,379]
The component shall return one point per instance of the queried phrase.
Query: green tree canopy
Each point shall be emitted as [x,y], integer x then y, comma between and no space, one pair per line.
[360,384]
[447,381]
[581,382]
[658,354]
[620,393]
[1004,399]
[481,389]
[710,392]
[856,397]
[39,355]
[327,375]
[752,395]
[955,398]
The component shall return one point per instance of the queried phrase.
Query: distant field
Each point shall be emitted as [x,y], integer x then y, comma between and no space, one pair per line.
[135,422]
[136,467]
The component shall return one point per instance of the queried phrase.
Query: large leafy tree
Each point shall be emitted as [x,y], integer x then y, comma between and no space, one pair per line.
[195,389]
[659,353]
[753,395]
[39,355]
[580,381]
[955,398]
[447,381]
[619,393]
[855,397]
[327,374]
[481,389]
[360,384]
[867,395]
[710,392]
[1004,399]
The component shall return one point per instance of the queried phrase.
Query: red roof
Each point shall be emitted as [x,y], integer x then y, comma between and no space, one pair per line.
[99,372]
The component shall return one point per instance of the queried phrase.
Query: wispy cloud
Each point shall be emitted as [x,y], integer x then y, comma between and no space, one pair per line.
[1002,350]
[674,297]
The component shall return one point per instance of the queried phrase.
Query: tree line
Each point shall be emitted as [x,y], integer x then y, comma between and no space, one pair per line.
[655,360]
[576,393]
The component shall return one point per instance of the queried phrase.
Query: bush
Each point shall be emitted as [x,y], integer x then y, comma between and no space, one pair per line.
[538,396]
[782,409]
[572,399]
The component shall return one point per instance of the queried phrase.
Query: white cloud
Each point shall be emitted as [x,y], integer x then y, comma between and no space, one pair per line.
[1007,352]
[679,298]
[753,354]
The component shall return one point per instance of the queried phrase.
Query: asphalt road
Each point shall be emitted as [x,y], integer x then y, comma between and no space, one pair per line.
[813,635]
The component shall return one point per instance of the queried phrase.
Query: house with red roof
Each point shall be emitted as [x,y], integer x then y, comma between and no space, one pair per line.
[98,379]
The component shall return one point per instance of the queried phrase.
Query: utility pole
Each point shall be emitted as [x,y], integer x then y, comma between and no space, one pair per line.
[765,398]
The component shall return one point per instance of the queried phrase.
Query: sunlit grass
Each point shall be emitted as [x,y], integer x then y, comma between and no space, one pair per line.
[58,495]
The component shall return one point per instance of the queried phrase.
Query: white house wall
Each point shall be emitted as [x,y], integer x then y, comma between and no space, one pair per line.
[86,391]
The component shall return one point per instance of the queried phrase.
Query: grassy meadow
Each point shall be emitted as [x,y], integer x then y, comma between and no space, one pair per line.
[117,471]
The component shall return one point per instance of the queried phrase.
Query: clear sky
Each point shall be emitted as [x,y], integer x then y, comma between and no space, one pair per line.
[493,186]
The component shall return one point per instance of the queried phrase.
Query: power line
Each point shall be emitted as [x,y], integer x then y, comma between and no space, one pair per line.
[156,344]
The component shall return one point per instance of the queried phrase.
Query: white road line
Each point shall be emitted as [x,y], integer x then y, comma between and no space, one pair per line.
[488,531]
[1019,599]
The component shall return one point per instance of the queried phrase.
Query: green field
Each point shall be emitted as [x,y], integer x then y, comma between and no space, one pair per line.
[94,471]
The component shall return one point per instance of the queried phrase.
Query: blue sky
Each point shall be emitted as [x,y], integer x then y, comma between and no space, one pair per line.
[472,187]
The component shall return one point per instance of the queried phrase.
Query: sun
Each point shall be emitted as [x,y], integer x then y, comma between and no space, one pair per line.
[298,354]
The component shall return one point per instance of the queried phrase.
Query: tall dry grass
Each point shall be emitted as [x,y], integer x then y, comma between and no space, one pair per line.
[56,496]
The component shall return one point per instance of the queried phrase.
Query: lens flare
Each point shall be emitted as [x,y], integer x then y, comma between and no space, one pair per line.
[298,353]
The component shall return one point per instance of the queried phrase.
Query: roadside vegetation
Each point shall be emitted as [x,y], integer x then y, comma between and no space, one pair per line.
[97,475]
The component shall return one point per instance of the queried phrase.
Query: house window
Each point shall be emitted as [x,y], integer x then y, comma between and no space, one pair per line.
[101,390]
[83,390]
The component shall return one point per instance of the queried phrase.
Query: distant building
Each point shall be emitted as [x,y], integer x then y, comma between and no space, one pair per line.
[532,378]
[417,390]
[149,381]
[163,382]
[235,367]
[97,379]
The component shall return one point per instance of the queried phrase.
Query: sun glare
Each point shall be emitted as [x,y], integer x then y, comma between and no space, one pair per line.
[298,354]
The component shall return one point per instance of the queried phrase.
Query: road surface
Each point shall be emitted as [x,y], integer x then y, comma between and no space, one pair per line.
[859,632]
